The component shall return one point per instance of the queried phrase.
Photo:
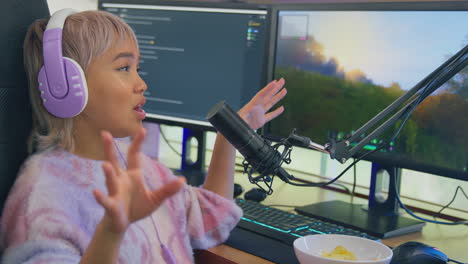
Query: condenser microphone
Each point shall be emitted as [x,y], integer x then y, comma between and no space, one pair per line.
[263,158]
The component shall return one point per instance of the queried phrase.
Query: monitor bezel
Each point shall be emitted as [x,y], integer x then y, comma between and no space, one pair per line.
[193,123]
[369,6]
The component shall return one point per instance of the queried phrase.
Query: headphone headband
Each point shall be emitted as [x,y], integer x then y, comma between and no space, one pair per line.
[57,20]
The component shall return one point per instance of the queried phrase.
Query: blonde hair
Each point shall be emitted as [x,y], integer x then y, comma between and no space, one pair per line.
[86,36]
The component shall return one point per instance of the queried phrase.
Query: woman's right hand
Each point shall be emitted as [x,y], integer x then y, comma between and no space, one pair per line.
[128,198]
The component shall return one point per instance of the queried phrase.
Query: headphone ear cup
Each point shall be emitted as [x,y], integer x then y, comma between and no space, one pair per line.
[76,96]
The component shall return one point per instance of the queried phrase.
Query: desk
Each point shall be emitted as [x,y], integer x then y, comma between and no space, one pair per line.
[452,240]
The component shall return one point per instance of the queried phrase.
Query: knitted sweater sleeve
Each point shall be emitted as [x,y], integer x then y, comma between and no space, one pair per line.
[207,217]
[41,221]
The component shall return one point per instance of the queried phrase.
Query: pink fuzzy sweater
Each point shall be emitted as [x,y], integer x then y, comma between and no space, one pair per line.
[51,214]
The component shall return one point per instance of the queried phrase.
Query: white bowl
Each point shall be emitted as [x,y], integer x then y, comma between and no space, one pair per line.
[309,248]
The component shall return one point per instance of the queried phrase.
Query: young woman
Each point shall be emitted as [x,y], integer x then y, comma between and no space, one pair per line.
[83,197]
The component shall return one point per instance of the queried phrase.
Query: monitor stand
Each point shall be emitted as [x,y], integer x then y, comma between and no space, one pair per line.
[380,218]
[194,171]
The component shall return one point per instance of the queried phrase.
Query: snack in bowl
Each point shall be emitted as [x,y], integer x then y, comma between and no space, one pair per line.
[310,249]
[339,252]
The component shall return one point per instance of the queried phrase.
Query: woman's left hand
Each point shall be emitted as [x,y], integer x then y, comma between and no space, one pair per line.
[255,112]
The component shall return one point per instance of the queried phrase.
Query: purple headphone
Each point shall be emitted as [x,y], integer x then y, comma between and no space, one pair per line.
[62,81]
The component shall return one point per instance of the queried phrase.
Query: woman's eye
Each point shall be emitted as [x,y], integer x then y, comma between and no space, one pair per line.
[126,68]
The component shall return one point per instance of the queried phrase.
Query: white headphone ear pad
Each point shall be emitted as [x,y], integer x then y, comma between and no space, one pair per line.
[76,80]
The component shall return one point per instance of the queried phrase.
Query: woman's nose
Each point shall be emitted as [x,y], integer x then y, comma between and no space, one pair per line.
[141,87]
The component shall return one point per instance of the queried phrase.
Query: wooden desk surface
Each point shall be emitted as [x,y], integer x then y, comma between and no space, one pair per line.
[452,240]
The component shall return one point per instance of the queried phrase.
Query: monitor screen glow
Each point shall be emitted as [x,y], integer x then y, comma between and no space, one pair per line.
[194,55]
[342,67]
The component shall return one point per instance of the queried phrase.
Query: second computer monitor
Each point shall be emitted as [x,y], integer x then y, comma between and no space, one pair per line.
[344,63]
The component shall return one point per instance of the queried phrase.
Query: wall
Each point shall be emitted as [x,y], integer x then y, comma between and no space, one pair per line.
[415,185]
[79,5]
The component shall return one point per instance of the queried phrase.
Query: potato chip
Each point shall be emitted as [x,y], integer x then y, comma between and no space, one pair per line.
[340,253]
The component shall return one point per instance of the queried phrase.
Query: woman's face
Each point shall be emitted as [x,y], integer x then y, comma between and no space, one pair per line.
[115,91]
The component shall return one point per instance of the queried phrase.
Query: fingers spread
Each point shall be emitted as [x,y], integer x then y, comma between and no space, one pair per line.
[266,90]
[271,91]
[274,114]
[103,200]
[109,149]
[115,212]
[276,98]
[111,178]
[133,157]
[277,87]
[267,93]
[169,189]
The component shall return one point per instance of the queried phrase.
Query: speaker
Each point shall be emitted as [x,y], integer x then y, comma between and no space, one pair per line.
[238,189]
[255,194]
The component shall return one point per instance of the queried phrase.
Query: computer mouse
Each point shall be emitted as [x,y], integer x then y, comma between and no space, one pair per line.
[255,194]
[417,253]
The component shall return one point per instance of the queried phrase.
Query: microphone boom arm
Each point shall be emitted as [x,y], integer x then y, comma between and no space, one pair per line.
[341,150]
[266,160]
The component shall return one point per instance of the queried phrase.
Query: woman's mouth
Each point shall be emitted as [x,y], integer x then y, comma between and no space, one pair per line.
[141,114]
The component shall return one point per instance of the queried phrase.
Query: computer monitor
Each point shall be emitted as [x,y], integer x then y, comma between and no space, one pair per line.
[193,55]
[344,63]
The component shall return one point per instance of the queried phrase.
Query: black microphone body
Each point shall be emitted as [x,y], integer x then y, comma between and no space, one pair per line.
[257,151]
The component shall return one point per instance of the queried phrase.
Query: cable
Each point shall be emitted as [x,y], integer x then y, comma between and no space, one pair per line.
[166,253]
[173,148]
[436,78]
[453,199]
[281,205]
[422,96]
[344,187]
[169,144]
[354,183]
[397,195]
[321,184]
[452,260]
[449,69]
[407,113]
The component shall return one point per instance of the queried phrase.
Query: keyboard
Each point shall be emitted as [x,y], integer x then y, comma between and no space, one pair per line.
[270,232]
